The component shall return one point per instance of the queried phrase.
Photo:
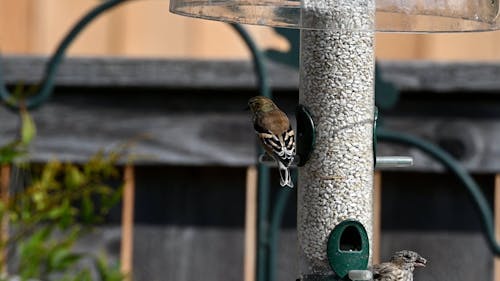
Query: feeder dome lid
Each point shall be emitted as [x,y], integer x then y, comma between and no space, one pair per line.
[390,15]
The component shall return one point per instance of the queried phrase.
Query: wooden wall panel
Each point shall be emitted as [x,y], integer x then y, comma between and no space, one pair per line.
[146,28]
[481,46]
[462,46]
[138,28]
[14,15]
[52,19]
[149,29]
[398,46]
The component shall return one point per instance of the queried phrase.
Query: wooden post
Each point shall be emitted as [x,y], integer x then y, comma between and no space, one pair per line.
[128,222]
[4,196]
[249,258]
[377,212]
[496,263]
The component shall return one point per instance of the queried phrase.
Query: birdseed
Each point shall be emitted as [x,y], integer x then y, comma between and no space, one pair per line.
[336,85]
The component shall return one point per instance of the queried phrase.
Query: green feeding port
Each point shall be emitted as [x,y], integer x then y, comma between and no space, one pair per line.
[348,248]
[350,240]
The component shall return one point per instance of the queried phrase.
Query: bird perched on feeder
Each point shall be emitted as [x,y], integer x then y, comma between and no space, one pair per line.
[275,133]
[399,268]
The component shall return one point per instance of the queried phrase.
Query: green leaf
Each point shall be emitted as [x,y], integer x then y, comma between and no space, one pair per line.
[11,151]
[59,195]
[49,173]
[28,128]
[57,212]
[13,217]
[2,208]
[87,209]
[108,272]
[111,200]
[39,197]
[73,177]
[67,216]
[39,236]
[32,253]
[83,275]
[61,259]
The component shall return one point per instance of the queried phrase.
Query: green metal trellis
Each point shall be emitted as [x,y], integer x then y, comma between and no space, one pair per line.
[47,84]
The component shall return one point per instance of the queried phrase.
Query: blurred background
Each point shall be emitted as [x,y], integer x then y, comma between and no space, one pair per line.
[181,84]
[147,29]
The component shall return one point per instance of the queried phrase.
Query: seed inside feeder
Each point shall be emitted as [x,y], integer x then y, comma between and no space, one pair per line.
[336,85]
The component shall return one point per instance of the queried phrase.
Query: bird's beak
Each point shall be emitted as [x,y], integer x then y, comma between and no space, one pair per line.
[420,262]
[247,108]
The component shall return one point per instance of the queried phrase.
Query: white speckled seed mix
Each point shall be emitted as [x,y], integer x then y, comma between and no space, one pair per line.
[337,76]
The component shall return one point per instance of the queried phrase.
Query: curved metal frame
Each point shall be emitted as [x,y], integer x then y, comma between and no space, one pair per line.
[47,84]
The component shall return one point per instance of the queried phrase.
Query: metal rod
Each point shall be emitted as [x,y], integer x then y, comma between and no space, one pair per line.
[393,161]
[496,209]
[381,161]
[263,223]
[274,229]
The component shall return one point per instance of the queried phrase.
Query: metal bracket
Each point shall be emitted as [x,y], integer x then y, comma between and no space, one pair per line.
[306,135]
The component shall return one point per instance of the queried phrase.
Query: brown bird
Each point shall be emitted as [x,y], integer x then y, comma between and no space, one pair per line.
[399,268]
[275,133]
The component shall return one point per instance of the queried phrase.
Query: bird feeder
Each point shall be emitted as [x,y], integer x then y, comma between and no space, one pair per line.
[385,15]
[335,184]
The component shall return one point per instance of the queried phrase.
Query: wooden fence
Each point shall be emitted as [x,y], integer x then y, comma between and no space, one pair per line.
[146,28]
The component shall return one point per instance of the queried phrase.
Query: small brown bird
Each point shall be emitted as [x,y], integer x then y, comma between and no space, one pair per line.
[275,133]
[400,268]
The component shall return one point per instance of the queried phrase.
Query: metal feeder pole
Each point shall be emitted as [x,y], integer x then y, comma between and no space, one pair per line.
[337,87]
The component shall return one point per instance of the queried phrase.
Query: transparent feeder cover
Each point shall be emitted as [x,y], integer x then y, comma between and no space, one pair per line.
[390,15]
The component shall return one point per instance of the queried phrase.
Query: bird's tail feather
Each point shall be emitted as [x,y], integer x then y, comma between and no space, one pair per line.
[285,178]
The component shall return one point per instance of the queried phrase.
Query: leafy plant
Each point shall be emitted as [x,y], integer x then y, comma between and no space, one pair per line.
[60,205]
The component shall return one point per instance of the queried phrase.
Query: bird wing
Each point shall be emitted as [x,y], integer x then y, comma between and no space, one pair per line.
[289,141]
[385,272]
[277,136]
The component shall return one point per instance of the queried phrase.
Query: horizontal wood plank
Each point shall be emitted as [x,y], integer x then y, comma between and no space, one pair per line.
[421,76]
[191,112]
[123,72]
